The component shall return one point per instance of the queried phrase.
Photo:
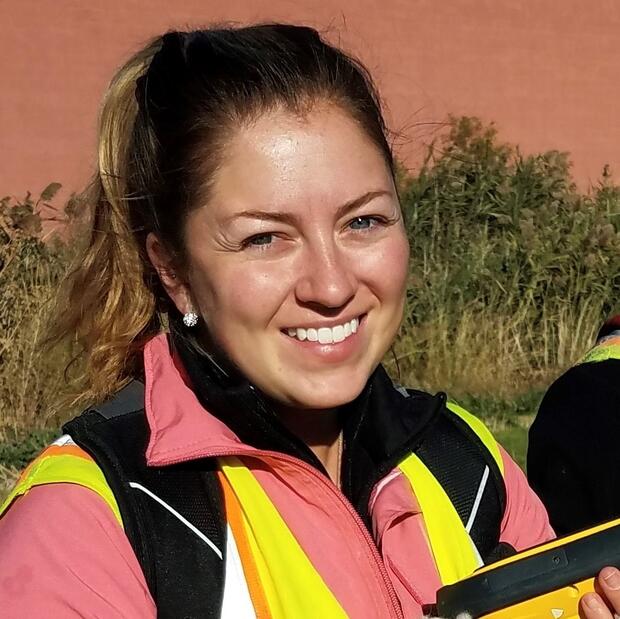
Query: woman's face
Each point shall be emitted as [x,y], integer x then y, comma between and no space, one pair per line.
[299,260]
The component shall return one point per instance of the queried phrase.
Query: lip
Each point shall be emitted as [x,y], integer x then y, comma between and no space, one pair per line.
[328,324]
[334,353]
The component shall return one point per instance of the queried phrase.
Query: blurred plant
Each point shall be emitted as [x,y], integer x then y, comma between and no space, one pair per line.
[34,254]
[512,269]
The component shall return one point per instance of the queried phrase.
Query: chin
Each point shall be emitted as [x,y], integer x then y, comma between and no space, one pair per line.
[328,396]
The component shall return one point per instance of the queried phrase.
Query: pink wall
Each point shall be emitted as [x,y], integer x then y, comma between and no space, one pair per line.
[545,71]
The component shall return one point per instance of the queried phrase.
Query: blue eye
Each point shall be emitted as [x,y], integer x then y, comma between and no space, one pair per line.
[362,223]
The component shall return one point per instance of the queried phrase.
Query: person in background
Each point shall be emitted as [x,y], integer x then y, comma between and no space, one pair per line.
[573,462]
[244,453]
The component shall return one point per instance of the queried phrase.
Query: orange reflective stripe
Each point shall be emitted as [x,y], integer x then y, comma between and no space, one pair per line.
[60,450]
[250,570]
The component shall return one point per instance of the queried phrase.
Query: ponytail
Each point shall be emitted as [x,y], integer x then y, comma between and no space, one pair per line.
[107,304]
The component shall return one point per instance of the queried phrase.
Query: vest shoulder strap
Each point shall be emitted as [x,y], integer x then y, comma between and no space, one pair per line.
[481,432]
[128,400]
[64,462]
[463,457]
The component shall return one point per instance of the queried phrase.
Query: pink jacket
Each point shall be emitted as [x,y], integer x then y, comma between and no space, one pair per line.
[63,553]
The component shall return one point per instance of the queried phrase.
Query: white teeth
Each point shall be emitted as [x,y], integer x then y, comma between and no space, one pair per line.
[326,335]
[301,334]
[338,334]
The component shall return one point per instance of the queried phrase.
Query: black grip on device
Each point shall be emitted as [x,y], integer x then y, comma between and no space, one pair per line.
[523,579]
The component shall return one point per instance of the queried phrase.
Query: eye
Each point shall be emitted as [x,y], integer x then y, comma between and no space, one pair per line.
[258,240]
[363,222]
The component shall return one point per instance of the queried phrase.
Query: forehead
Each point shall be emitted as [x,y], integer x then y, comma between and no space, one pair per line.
[288,162]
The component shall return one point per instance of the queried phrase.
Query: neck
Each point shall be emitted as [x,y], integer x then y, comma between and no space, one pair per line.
[321,431]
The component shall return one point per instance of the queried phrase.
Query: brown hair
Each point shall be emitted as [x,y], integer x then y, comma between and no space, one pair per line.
[164,121]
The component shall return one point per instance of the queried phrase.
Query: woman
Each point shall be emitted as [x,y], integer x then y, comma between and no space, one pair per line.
[261,463]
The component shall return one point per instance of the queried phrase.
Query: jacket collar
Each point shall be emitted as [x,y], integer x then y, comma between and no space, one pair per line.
[180,427]
[211,418]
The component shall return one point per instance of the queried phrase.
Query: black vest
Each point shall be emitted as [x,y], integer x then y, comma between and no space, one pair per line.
[185,577]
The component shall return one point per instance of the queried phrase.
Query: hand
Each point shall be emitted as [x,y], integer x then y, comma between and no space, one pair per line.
[605,604]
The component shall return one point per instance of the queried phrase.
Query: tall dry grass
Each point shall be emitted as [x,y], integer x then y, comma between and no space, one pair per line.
[495,354]
[32,264]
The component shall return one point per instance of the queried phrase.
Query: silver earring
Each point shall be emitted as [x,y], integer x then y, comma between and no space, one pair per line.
[190,319]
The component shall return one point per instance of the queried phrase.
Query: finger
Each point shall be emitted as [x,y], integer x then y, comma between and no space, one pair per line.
[609,582]
[591,606]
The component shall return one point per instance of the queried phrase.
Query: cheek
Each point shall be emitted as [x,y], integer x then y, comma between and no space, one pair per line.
[246,294]
[387,268]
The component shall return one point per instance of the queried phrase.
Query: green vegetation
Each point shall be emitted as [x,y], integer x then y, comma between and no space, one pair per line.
[32,263]
[512,268]
[512,271]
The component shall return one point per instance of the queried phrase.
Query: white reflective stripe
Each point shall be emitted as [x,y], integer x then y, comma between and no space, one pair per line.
[476,553]
[379,487]
[176,514]
[65,439]
[474,509]
[237,603]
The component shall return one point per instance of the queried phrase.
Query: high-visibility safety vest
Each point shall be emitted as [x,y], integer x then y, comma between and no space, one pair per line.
[279,580]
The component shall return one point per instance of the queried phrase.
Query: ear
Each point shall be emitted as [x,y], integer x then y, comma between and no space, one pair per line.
[172,281]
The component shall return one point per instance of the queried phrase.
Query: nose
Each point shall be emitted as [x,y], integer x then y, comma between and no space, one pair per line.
[327,277]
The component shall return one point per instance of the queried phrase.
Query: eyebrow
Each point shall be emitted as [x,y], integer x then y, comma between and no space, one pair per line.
[292,219]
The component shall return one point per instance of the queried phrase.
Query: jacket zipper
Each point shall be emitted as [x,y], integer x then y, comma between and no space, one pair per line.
[362,531]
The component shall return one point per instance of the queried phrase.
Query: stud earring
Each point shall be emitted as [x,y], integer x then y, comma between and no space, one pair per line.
[190,319]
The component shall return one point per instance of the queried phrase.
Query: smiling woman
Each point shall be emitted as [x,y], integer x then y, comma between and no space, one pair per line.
[252,459]
[307,237]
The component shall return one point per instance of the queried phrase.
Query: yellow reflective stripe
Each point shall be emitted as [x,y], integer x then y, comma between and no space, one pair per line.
[452,548]
[608,349]
[64,468]
[451,545]
[291,584]
[481,431]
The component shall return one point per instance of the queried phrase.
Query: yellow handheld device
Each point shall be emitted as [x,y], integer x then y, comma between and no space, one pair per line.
[544,582]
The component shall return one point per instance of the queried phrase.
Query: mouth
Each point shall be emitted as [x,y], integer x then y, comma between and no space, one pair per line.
[326,335]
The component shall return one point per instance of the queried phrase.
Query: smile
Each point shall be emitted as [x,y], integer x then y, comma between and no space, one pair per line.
[325,335]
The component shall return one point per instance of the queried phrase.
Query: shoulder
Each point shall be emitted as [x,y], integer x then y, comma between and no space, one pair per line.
[607,347]
[65,553]
[591,389]
[64,462]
